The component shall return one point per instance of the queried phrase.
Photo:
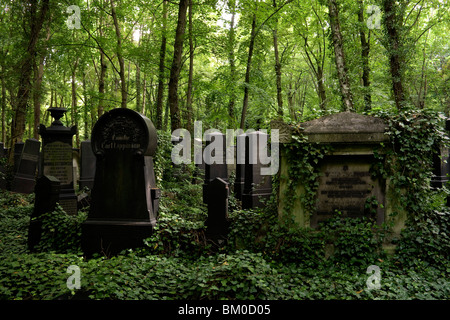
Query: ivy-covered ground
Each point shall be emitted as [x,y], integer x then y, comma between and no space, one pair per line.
[264,258]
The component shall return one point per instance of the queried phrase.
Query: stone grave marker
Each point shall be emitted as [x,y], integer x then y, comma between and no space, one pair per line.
[25,175]
[87,170]
[57,158]
[47,191]
[217,223]
[257,187]
[18,147]
[240,166]
[214,156]
[346,183]
[125,198]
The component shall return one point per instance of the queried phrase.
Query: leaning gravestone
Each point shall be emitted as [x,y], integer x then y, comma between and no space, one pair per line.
[214,156]
[257,187]
[18,147]
[125,198]
[240,166]
[57,158]
[25,175]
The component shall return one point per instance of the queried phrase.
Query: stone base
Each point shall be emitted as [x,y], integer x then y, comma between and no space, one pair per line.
[111,237]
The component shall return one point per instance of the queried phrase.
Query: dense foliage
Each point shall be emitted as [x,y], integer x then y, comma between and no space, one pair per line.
[264,258]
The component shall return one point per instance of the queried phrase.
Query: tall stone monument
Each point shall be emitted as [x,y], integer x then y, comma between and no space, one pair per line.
[57,158]
[125,198]
[87,172]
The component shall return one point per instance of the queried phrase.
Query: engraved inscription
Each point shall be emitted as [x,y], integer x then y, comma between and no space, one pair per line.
[58,161]
[122,133]
[344,187]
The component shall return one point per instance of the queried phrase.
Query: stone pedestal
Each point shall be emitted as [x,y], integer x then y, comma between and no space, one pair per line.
[57,158]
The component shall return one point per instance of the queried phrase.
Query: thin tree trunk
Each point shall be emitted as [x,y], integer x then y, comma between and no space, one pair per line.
[277,66]
[26,71]
[176,66]
[162,55]
[365,49]
[190,113]
[247,72]
[37,93]
[231,40]
[74,102]
[394,47]
[124,91]
[344,83]
[101,80]
[3,102]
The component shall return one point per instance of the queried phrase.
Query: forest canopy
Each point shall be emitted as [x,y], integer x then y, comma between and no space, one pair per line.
[227,63]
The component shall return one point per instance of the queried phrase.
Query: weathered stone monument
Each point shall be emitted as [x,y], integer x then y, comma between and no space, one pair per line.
[257,187]
[125,198]
[25,175]
[346,182]
[57,158]
[87,170]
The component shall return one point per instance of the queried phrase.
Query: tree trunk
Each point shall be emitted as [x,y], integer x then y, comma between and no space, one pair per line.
[344,83]
[162,55]
[176,66]
[190,113]
[247,72]
[37,93]
[123,90]
[365,49]
[394,47]
[101,80]
[26,71]
[231,40]
[277,66]
[74,102]
[3,102]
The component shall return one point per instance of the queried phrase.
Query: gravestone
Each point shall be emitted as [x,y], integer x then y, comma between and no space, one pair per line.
[125,198]
[87,172]
[240,166]
[441,165]
[57,158]
[214,156]
[217,223]
[257,187]
[25,175]
[346,183]
[47,191]
[18,148]
[3,159]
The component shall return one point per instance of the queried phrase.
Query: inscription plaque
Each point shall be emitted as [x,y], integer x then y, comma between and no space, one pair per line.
[345,185]
[58,161]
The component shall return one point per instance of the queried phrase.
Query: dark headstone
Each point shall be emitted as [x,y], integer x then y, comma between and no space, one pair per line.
[25,175]
[240,166]
[57,158]
[217,223]
[257,187]
[88,161]
[215,160]
[124,203]
[47,190]
[18,147]
[2,166]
